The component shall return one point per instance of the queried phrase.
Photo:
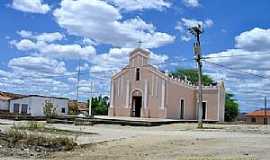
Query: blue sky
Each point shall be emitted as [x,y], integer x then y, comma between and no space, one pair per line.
[41,43]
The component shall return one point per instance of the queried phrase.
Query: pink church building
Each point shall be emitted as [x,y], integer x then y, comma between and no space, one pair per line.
[141,90]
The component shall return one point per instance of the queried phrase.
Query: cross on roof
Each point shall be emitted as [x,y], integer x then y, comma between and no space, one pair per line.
[140,42]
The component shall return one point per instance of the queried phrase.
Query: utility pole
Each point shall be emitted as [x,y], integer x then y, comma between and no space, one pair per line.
[78,79]
[265,110]
[197,31]
[90,100]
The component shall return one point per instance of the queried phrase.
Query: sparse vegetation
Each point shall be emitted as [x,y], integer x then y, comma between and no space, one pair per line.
[49,110]
[40,127]
[100,105]
[24,143]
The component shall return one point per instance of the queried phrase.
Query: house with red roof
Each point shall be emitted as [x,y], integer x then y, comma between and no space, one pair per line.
[261,116]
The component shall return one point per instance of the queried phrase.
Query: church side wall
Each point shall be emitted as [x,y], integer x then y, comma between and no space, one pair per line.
[175,93]
[210,96]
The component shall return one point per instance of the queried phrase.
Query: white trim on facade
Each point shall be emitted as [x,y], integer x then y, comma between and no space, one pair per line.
[118,87]
[127,94]
[162,107]
[145,93]
[112,95]
[156,86]
[153,83]
[206,110]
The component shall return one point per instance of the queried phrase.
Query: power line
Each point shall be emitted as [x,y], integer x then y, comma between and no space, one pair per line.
[237,55]
[233,69]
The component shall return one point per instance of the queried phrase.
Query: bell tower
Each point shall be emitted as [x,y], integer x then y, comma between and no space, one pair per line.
[138,57]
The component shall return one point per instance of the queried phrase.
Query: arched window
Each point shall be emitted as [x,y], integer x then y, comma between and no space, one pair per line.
[137,74]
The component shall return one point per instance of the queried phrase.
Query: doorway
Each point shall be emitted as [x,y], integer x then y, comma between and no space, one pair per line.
[204,110]
[137,105]
[181,109]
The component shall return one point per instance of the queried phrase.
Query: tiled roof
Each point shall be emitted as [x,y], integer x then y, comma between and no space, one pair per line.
[4,98]
[8,96]
[259,113]
[12,96]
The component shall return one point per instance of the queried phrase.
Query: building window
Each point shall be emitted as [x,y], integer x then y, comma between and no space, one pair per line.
[137,74]
[63,110]
[16,108]
[253,120]
[24,108]
[181,109]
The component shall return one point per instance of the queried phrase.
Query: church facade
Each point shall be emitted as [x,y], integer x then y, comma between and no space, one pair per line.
[141,90]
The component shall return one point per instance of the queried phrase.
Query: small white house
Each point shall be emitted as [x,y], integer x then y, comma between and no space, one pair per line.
[33,105]
[4,103]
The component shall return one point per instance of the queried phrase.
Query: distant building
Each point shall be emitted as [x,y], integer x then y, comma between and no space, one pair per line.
[33,105]
[258,117]
[80,107]
[242,116]
[5,99]
[141,90]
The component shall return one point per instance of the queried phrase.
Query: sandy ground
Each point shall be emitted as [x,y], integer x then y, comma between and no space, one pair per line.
[168,142]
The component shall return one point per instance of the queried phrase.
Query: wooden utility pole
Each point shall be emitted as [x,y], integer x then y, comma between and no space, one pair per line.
[90,100]
[78,79]
[265,110]
[197,31]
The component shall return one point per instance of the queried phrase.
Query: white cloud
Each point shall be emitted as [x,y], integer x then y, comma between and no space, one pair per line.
[106,25]
[66,51]
[25,34]
[38,75]
[191,3]
[39,65]
[24,44]
[70,51]
[249,61]
[50,37]
[117,58]
[132,5]
[32,6]
[186,23]
[83,67]
[45,37]
[256,39]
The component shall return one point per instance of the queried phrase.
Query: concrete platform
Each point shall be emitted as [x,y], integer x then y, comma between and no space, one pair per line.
[135,121]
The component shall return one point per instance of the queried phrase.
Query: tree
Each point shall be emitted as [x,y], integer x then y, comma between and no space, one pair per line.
[73,108]
[49,110]
[100,105]
[231,106]
[192,76]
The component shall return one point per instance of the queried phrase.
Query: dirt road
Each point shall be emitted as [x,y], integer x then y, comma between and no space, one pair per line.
[169,142]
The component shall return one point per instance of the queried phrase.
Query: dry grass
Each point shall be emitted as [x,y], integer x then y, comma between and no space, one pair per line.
[22,137]
[40,127]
